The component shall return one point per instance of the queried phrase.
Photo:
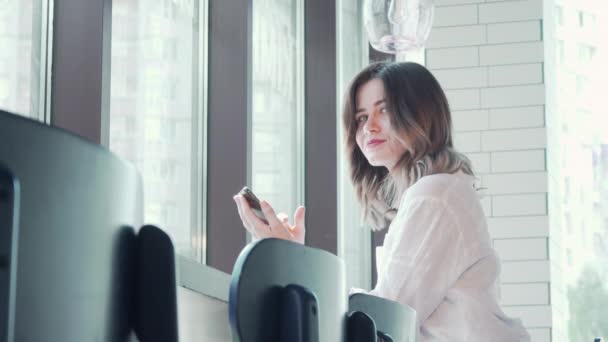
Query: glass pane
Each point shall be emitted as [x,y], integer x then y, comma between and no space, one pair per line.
[154,118]
[21,24]
[355,240]
[578,161]
[277,129]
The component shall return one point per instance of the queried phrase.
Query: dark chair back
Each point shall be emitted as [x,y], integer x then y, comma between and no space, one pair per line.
[395,321]
[278,285]
[74,265]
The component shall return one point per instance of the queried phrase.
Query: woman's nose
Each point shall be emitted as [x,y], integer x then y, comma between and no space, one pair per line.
[371,125]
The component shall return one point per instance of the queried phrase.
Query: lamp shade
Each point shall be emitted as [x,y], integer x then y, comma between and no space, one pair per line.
[397,26]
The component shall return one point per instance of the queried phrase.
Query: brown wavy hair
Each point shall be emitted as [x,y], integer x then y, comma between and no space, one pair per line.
[420,114]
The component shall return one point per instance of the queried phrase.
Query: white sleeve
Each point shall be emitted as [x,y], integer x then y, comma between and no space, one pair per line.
[424,258]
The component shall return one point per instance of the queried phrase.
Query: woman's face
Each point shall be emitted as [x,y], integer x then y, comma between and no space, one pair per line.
[375,136]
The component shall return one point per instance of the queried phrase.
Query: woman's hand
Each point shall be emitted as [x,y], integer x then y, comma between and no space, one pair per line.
[278,225]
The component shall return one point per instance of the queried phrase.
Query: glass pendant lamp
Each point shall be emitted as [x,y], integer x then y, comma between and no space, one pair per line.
[397,26]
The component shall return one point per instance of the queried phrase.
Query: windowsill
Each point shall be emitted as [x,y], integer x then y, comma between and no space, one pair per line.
[203,279]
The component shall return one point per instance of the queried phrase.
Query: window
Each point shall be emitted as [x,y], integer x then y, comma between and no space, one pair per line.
[155,113]
[277,123]
[586,20]
[585,53]
[576,110]
[560,52]
[23,57]
[559,15]
[355,245]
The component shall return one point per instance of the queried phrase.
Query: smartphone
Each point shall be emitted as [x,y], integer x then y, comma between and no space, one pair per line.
[254,203]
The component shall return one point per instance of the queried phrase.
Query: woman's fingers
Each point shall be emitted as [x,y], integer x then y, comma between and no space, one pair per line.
[257,226]
[242,215]
[278,224]
[279,230]
[299,229]
[251,222]
[299,216]
[284,218]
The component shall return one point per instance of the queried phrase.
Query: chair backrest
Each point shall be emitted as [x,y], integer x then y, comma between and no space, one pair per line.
[78,209]
[391,318]
[71,259]
[260,288]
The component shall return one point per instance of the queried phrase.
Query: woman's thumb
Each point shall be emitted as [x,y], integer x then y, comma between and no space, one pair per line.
[299,217]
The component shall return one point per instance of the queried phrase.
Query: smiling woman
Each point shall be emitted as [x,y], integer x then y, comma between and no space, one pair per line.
[403,104]
[437,256]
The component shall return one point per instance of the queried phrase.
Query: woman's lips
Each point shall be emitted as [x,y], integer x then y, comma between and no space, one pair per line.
[375,143]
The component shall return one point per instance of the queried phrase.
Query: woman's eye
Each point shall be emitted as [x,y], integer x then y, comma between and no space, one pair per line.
[361,119]
[383,110]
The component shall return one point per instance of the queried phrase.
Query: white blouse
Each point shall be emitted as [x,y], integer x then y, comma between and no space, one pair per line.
[437,258]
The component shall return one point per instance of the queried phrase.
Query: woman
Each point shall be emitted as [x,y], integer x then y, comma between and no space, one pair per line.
[437,255]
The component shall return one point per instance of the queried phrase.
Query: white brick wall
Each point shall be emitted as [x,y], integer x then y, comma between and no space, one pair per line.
[471,120]
[515,161]
[455,15]
[511,53]
[488,57]
[510,11]
[457,36]
[519,205]
[514,139]
[452,57]
[525,294]
[514,32]
[517,117]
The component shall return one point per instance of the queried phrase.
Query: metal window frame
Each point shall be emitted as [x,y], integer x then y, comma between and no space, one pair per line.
[352,235]
[321,148]
[229,106]
[46,61]
[80,76]
[199,228]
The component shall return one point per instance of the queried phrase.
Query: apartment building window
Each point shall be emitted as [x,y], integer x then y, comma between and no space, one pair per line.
[24,36]
[585,53]
[586,20]
[559,15]
[156,110]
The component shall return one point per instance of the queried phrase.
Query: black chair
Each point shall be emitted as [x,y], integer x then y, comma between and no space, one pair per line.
[393,321]
[284,291]
[74,265]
